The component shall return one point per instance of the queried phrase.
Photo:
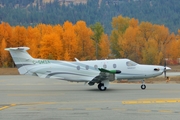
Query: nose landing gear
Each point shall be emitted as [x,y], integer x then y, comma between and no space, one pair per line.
[143,86]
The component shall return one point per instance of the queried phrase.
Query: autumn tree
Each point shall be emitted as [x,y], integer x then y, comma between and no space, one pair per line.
[5,41]
[163,38]
[173,49]
[6,33]
[59,53]
[119,25]
[98,30]
[150,53]
[19,36]
[129,42]
[86,49]
[51,46]
[33,41]
[4,54]
[69,40]
[104,47]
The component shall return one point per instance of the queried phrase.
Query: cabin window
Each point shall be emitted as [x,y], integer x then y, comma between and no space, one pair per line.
[131,63]
[104,66]
[78,67]
[95,66]
[114,65]
[87,67]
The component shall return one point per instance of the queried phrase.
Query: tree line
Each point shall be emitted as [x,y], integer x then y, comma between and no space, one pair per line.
[59,42]
[142,42]
[31,13]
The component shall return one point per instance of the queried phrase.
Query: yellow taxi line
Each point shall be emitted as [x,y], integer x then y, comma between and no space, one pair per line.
[153,101]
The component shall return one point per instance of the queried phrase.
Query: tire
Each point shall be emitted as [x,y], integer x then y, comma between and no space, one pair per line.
[101,87]
[143,87]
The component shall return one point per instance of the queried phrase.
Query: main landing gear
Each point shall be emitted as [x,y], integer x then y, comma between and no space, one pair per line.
[143,86]
[101,87]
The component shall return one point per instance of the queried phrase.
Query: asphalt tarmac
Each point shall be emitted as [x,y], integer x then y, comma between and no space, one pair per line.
[33,98]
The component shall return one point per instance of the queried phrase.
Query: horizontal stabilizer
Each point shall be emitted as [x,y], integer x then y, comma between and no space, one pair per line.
[17,48]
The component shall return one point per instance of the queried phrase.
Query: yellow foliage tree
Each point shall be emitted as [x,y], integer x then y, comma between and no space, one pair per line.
[150,53]
[104,46]
[129,44]
[163,39]
[119,25]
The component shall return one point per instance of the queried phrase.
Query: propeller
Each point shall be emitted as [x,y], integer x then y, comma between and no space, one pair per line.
[165,64]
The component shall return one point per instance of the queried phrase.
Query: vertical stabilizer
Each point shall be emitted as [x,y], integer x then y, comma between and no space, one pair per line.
[21,58]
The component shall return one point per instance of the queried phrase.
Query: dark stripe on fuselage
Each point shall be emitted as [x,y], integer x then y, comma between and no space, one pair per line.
[56,73]
[20,65]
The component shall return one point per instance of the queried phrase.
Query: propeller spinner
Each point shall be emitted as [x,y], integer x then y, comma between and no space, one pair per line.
[166,68]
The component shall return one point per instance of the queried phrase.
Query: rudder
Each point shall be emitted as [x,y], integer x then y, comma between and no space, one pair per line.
[20,57]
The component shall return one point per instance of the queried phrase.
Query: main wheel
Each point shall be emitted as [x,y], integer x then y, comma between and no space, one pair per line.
[143,87]
[101,87]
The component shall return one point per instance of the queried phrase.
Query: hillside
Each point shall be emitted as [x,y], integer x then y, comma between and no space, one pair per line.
[32,12]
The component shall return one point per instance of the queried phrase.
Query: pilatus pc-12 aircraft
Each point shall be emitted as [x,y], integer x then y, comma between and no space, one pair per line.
[95,71]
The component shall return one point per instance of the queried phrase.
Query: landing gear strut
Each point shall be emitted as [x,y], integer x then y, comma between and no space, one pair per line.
[101,87]
[143,86]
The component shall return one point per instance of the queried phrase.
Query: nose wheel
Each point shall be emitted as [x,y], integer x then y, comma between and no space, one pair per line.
[143,86]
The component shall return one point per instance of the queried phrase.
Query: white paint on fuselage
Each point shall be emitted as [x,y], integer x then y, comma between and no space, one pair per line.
[69,70]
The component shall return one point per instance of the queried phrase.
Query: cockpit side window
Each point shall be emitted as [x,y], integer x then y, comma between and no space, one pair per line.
[131,63]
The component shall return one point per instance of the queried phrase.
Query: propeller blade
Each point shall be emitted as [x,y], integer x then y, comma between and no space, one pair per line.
[164,72]
[165,63]
[165,68]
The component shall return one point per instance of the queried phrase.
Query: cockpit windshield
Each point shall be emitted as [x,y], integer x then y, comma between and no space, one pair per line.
[131,63]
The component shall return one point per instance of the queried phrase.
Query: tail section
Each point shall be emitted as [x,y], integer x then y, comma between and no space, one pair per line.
[21,58]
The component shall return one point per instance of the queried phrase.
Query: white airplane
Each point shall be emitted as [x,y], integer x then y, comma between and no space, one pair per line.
[95,71]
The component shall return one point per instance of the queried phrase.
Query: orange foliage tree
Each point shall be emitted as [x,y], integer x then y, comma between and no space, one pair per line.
[51,46]
[104,46]
[86,48]
[32,41]
[5,41]
[69,40]
[4,54]
[19,36]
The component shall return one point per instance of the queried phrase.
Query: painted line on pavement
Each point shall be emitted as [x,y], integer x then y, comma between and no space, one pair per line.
[7,106]
[151,101]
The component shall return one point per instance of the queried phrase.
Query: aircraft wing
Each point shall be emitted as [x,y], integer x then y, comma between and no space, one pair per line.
[104,75]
